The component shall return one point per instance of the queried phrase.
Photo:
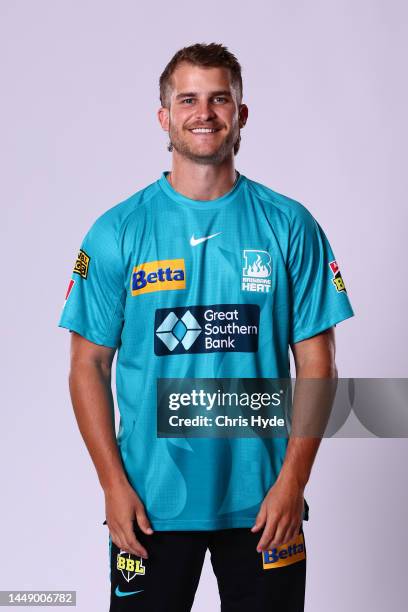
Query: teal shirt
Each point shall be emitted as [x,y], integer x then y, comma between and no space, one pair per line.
[146,270]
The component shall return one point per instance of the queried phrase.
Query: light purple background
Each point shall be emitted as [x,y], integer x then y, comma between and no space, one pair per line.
[325,82]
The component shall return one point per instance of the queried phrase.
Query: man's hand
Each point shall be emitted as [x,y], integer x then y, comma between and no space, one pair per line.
[281,514]
[122,507]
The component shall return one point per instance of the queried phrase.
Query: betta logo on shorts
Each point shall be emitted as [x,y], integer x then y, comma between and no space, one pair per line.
[160,275]
[337,279]
[129,565]
[288,553]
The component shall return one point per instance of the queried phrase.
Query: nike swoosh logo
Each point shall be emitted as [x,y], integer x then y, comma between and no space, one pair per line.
[195,241]
[120,593]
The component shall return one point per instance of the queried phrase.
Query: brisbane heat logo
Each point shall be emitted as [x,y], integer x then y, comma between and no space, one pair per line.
[337,279]
[160,275]
[256,271]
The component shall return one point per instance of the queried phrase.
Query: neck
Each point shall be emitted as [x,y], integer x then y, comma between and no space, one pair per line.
[201,181]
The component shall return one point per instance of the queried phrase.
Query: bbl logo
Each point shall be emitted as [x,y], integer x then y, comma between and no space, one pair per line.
[287,554]
[82,264]
[337,279]
[129,565]
[160,275]
[256,271]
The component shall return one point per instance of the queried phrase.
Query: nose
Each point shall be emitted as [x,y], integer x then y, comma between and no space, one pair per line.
[205,111]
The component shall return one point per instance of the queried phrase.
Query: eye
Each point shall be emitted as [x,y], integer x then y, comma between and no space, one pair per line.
[221,99]
[187,100]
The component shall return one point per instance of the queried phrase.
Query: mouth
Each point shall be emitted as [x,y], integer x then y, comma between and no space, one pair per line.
[204,130]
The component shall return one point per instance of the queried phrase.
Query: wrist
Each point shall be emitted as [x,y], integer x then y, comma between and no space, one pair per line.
[112,486]
[292,479]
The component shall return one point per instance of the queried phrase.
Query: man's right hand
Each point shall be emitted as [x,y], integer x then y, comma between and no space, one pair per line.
[122,507]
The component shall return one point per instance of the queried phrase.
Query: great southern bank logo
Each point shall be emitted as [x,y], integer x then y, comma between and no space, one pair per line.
[174,330]
[256,271]
[160,275]
[206,329]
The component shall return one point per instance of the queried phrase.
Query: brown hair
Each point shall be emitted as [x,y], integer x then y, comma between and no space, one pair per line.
[212,55]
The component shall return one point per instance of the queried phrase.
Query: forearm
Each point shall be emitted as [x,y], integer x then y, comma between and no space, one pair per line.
[91,395]
[299,458]
[302,449]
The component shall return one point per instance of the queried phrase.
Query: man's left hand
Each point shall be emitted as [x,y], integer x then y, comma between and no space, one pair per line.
[280,514]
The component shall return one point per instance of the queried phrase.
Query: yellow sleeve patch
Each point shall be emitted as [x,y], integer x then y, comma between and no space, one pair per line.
[82,264]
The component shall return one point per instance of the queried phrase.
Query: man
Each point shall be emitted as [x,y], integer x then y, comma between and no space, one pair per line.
[157,277]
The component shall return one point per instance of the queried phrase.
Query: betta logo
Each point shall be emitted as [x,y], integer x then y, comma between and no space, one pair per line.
[287,554]
[158,276]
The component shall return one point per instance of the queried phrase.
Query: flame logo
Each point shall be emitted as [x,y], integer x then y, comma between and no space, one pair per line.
[257,268]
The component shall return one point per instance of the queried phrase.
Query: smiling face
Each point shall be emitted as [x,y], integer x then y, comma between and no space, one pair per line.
[204,117]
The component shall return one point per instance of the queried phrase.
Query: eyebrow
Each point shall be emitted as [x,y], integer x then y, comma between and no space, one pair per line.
[192,94]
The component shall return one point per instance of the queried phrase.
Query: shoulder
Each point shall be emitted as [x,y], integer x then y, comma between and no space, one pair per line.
[294,211]
[113,221]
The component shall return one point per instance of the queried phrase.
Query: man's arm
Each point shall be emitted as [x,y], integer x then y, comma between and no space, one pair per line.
[91,394]
[281,511]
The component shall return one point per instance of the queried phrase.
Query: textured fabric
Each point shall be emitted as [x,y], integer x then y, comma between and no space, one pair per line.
[178,285]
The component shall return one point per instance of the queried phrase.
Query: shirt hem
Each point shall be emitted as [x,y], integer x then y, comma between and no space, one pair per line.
[202,525]
[88,334]
[208,525]
[318,329]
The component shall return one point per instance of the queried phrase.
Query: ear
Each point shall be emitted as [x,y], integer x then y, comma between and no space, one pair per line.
[164,116]
[243,115]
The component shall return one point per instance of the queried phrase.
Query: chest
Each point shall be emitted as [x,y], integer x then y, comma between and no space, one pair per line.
[211,257]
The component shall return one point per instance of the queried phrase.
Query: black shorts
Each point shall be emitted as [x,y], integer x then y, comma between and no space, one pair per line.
[248,581]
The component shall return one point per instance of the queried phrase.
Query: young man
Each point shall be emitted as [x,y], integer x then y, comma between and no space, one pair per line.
[157,278]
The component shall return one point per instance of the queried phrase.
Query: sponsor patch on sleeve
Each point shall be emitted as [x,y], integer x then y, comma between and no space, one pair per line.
[69,289]
[287,554]
[70,285]
[337,279]
[82,264]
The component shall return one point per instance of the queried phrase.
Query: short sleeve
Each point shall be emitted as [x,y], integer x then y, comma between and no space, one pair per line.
[319,298]
[95,298]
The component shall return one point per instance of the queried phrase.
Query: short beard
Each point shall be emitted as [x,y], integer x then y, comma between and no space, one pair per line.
[232,142]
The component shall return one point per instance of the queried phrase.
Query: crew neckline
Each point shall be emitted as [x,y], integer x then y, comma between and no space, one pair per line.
[203,204]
